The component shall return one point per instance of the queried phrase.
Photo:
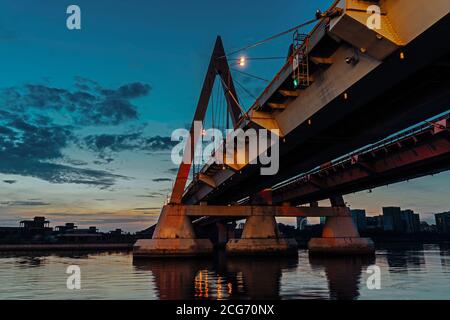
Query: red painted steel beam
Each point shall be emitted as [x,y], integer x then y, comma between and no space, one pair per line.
[218,65]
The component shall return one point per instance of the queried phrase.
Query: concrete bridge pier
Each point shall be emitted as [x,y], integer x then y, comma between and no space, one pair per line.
[340,235]
[261,234]
[222,233]
[174,236]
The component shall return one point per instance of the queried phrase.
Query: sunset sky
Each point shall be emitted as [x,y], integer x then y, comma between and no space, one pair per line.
[86,115]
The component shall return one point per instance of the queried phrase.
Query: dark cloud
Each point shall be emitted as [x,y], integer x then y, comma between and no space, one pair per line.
[58,173]
[89,104]
[162,180]
[29,149]
[105,144]
[24,203]
[32,144]
[75,162]
[128,91]
[151,195]
[10,181]
[27,140]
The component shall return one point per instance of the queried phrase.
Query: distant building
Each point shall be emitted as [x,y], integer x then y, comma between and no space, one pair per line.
[6,231]
[359,217]
[71,228]
[302,222]
[34,229]
[411,221]
[443,222]
[400,221]
[38,223]
[39,226]
[392,219]
[427,228]
[117,232]
[68,227]
[80,235]
[90,230]
[38,231]
[374,223]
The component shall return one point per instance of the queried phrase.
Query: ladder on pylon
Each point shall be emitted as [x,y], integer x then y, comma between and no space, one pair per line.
[300,60]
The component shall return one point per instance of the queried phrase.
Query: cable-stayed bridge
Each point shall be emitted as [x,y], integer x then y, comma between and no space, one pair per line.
[354,107]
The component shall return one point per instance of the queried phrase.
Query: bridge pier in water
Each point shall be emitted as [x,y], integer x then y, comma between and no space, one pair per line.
[261,236]
[340,234]
[174,236]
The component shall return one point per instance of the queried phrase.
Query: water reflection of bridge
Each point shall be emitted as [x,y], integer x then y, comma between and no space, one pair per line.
[240,278]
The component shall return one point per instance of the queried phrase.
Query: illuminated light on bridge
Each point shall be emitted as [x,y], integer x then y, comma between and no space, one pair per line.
[389,94]
[242,61]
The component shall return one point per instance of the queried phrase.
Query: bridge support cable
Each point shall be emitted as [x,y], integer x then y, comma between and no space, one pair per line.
[333,11]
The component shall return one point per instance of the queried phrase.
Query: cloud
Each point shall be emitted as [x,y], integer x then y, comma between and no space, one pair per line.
[58,173]
[147,209]
[28,140]
[32,142]
[106,144]
[75,162]
[151,195]
[30,148]
[88,104]
[162,180]
[10,181]
[24,203]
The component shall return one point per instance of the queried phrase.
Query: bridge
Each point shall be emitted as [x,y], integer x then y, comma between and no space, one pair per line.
[352,108]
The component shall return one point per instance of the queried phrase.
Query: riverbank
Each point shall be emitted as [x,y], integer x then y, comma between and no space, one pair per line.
[65,247]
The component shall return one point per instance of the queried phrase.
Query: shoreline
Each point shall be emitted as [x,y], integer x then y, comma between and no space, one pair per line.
[65,247]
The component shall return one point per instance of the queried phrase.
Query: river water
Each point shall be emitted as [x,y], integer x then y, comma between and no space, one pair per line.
[407,272]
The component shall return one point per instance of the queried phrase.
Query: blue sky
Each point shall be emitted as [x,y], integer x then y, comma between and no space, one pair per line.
[85,115]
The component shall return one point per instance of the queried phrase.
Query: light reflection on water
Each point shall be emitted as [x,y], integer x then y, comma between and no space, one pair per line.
[414,272]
